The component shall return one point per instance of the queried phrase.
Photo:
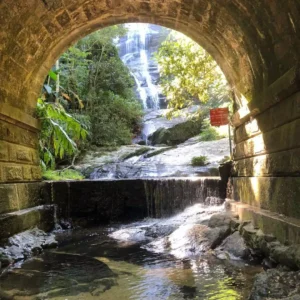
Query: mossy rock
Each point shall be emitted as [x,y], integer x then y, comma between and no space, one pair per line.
[177,134]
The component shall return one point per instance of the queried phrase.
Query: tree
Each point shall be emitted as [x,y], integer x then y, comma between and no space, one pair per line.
[189,75]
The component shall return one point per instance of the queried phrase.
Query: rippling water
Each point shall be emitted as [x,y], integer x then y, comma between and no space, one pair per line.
[116,263]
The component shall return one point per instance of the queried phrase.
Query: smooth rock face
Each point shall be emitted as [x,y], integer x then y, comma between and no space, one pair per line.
[276,284]
[159,161]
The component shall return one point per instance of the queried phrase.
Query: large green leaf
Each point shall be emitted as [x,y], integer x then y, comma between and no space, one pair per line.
[52,75]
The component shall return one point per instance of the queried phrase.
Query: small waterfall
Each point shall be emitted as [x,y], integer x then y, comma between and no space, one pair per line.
[136,51]
[166,197]
[131,199]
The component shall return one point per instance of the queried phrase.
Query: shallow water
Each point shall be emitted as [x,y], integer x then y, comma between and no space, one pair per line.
[118,262]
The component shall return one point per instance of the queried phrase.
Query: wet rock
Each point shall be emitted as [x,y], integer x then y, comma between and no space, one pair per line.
[4,260]
[268,263]
[234,224]
[15,253]
[28,243]
[235,246]
[249,233]
[159,230]
[286,255]
[194,239]
[65,224]
[50,242]
[220,220]
[276,284]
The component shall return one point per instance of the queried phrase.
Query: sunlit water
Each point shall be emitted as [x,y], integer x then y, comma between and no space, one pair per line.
[120,262]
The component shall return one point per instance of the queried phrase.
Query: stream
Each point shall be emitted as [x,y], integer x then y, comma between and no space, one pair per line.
[131,261]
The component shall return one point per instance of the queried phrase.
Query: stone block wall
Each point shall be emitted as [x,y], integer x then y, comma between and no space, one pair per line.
[256,44]
[19,157]
[267,149]
[26,205]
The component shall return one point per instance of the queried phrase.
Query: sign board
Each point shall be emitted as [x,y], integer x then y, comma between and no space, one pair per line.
[219,116]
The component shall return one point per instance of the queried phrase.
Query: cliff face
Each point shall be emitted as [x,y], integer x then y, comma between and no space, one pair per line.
[137,50]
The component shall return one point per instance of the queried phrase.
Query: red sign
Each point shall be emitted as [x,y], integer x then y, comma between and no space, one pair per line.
[219,116]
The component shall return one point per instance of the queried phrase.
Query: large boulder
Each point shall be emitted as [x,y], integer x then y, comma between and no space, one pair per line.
[176,134]
[234,247]
[276,284]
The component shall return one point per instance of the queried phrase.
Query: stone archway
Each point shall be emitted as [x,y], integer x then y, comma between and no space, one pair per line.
[256,43]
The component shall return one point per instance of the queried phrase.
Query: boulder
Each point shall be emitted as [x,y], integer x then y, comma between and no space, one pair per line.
[286,255]
[220,220]
[234,246]
[26,244]
[176,134]
[276,284]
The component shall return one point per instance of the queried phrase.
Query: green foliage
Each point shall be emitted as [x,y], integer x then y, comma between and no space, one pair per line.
[93,71]
[62,175]
[88,90]
[114,119]
[60,133]
[210,133]
[199,161]
[189,75]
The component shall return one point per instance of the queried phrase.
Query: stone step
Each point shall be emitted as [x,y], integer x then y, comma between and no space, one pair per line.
[285,229]
[15,222]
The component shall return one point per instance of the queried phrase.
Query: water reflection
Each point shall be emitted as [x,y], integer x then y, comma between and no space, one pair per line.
[91,264]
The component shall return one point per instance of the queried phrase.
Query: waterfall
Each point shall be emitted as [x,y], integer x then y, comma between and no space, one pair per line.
[166,197]
[136,51]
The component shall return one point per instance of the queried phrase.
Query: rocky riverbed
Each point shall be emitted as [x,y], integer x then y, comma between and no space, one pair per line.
[135,161]
[165,159]
[204,252]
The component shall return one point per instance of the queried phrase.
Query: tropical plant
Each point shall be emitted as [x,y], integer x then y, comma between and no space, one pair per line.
[88,90]
[60,133]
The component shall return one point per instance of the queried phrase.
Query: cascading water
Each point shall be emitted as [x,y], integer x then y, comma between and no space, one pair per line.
[136,51]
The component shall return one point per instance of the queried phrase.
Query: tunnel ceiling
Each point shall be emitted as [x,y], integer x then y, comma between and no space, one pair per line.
[254,41]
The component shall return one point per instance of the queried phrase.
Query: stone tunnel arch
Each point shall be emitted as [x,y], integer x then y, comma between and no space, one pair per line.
[256,43]
[240,35]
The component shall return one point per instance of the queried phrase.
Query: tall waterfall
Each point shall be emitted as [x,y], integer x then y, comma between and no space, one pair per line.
[136,51]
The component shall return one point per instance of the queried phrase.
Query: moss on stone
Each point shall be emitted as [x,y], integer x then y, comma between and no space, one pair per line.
[177,134]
